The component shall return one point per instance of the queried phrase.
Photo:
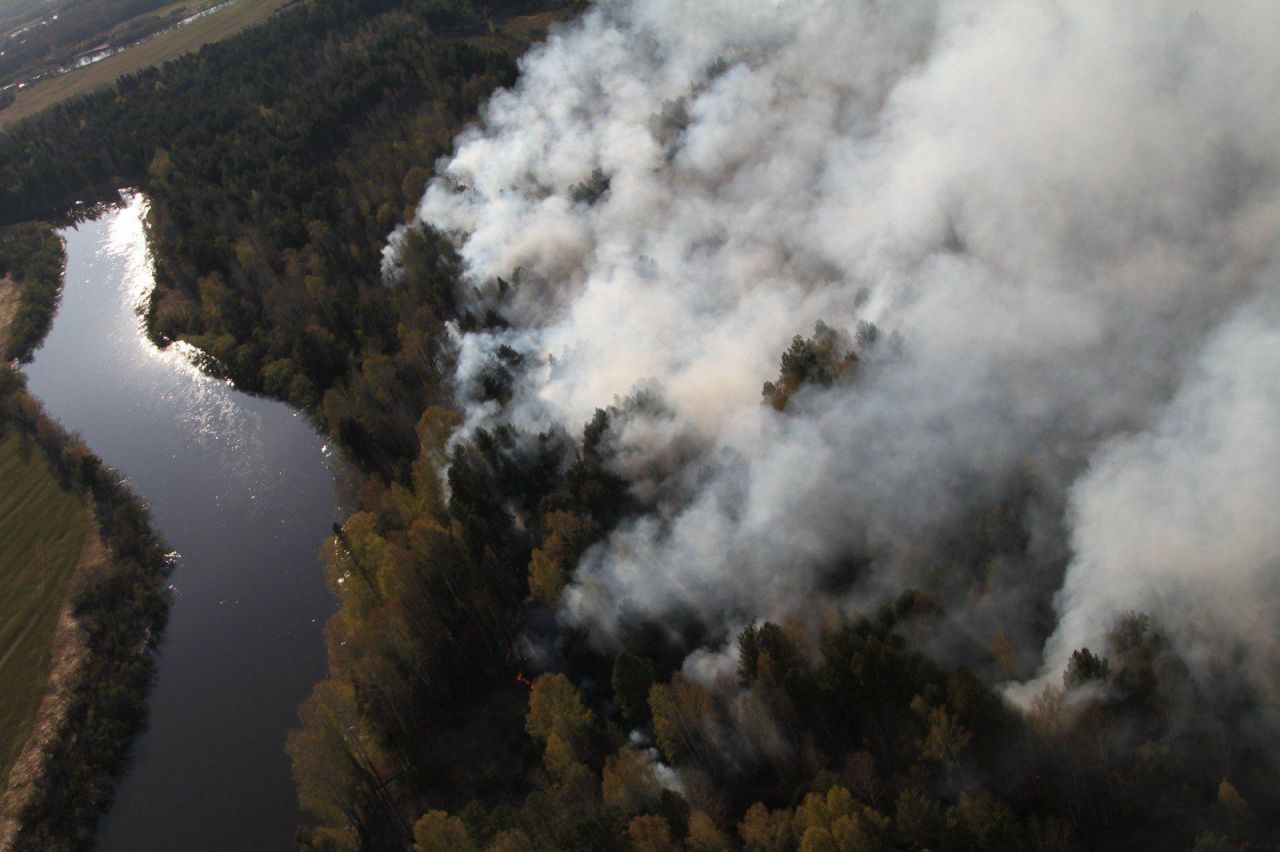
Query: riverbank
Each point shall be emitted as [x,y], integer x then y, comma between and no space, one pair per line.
[44,534]
[83,588]
[111,614]
[243,488]
[58,683]
[47,538]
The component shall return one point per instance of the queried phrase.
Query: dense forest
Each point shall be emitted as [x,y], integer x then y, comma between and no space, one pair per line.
[858,608]
[839,735]
[122,610]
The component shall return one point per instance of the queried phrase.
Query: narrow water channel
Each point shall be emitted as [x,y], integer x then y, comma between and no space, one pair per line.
[243,488]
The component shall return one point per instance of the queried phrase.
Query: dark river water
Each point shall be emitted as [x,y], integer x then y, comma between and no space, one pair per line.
[243,488]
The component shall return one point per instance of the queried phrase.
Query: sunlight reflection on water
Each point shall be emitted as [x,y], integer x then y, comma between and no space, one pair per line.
[201,403]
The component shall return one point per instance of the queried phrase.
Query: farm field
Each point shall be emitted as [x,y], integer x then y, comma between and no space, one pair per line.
[43,530]
[232,18]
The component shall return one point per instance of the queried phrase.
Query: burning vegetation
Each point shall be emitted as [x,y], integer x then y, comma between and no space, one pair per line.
[987,565]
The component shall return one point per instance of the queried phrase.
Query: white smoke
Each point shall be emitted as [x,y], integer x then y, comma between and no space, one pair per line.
[1180,519]
[1066,209]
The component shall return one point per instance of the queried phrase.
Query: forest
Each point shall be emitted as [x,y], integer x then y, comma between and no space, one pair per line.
[838,735]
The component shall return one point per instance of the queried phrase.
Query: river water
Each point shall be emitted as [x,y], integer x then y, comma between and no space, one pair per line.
[243,488]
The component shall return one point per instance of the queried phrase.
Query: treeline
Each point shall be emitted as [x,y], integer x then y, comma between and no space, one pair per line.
[122,610]
[425,704]
[32,257]
[869,746]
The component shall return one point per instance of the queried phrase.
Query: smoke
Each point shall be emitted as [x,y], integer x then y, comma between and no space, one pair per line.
[1067,213]
[1179,519]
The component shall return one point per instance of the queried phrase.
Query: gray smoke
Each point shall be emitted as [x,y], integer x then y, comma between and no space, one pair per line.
[1068,212]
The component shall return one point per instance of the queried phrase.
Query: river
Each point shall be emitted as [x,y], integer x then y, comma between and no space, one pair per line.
[244,489]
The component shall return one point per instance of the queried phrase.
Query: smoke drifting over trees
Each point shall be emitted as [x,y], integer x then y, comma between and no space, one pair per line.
[860,433]
[1066,214]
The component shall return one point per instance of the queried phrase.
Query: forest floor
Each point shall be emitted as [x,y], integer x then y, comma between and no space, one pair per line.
[235,16]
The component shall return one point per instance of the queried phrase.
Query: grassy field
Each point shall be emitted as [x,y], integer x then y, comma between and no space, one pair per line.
[43,531]
[239,15]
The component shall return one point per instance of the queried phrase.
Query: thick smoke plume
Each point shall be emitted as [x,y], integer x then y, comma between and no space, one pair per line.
[1065,215]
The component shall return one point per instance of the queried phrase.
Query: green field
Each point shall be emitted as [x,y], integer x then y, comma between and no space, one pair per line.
[159,49]
[42,534]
